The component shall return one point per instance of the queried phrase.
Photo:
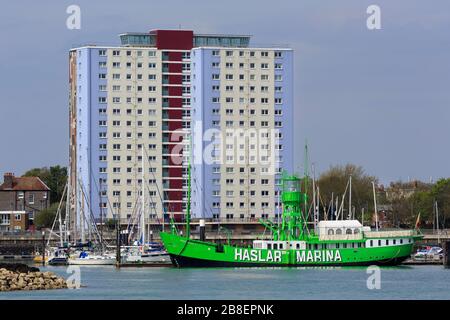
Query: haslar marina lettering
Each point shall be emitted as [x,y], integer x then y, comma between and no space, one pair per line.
[254,255]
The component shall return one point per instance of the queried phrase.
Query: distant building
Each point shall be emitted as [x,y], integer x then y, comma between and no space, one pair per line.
[20,199]
[139,99]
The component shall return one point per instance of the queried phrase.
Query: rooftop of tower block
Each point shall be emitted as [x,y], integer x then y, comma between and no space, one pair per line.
[182,39]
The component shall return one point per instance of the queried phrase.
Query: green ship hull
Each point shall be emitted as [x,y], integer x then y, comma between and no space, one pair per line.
[330,243]
[186,252]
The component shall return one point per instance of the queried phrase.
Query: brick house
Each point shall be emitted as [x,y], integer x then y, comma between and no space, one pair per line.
[20,199]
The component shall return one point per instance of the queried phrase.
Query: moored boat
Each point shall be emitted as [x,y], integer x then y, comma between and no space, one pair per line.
[331,243]
[86,258]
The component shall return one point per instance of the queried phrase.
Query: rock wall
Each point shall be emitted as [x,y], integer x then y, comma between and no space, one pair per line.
[21,277]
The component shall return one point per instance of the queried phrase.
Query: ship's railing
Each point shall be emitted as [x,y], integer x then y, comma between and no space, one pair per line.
[340,237]
[389,234]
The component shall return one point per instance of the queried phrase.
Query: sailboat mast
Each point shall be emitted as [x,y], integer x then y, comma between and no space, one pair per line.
[82,223]
[143,199]
[437,221]
[314,199]
[375,205]
[188,206]
[350,215]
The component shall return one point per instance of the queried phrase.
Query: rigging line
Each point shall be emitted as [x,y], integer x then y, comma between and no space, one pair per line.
[133,219]
[157,187]
[342,203]
[91,215]
[159,193]
[58,215]
[208,205]
[97,189]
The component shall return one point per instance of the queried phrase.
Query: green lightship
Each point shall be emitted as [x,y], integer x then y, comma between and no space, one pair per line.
[331,243]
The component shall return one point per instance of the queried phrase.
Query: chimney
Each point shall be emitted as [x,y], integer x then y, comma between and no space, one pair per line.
[8,180]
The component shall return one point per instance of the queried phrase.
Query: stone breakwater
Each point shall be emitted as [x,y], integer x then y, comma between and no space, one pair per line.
[21,277]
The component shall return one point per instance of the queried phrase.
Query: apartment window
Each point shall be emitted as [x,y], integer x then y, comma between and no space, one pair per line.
[229,76]
[215,52]
[152,53]
[229,53]
[116,76]
[102,53]
[215,64]
[278,101]
[152,65]
[278,54]
[264,53]
[278,66]
[116,52]
[152,77]
[215,76]
[102,64]
[278,77]
[102,75]
[264,66]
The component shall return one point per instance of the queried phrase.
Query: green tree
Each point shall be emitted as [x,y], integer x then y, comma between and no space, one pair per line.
[407,199]
[45,218]
[441,194]
[54,177]
[335,179]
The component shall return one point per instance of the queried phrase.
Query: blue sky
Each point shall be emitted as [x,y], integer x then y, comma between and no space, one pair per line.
[379,99]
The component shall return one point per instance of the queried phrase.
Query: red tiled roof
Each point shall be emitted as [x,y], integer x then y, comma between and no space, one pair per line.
[26,184]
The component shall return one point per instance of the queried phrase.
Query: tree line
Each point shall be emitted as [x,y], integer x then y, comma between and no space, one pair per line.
[401,201]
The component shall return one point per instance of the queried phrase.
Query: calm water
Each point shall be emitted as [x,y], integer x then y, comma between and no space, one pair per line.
[405,282]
